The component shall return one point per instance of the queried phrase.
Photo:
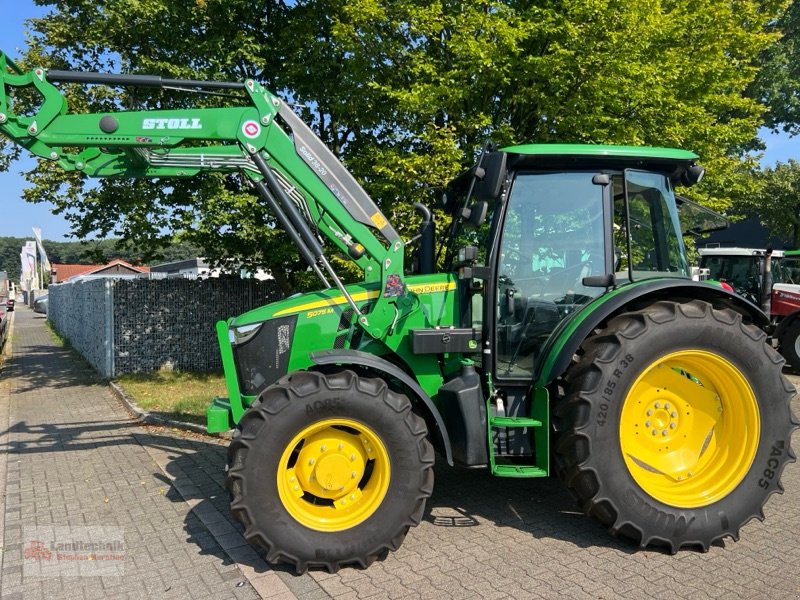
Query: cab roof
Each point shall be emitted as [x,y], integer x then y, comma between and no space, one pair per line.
[602,150]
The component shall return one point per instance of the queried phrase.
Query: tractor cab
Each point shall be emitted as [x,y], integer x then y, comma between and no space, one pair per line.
[565,225]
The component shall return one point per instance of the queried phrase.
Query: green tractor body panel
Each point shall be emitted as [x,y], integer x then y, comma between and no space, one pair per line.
[283,335]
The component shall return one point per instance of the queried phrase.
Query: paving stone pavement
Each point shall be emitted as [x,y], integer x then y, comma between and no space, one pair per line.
[481,537]
[72,457]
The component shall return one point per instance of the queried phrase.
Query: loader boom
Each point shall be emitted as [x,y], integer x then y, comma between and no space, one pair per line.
[305,186]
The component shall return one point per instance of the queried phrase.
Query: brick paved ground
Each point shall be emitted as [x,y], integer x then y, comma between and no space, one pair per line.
[71,456]
[481,538]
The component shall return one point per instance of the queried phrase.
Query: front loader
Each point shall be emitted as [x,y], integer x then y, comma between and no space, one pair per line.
[562,334]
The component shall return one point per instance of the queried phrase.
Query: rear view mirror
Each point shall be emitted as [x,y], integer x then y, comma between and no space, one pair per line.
[489,185]
[475,215]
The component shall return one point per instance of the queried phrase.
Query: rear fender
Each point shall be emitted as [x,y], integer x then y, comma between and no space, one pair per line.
[568,337]
[379,365]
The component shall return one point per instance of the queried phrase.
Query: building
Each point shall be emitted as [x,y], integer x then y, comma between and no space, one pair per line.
[61,273]
[190,268]
[198,268]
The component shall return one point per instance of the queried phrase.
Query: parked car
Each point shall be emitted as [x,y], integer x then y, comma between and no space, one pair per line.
[10,305]
[40,304]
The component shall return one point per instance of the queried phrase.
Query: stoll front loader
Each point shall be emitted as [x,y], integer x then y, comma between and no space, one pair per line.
[563,332]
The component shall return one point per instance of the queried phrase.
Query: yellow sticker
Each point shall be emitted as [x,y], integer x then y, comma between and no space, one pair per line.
[379,220]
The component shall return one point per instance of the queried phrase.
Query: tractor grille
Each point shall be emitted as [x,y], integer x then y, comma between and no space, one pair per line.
[264,358]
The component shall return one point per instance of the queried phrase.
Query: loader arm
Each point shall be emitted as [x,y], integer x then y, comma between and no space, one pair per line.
[306,187]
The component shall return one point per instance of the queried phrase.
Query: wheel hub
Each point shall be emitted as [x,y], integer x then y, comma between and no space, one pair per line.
[336,474]
[330,466]
[678,442]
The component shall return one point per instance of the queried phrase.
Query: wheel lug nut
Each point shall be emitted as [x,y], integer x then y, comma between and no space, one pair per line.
[673,414]
[353,475]
[352,497]
[649,413]
[673,425]
[352,458]
[647,423]
[655,431]
[657,405]
[666,406]
[297,488]
[310,461]
[324,448]
[664,432]
[341,446]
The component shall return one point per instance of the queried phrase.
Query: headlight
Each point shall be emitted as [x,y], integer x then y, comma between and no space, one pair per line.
[242,334]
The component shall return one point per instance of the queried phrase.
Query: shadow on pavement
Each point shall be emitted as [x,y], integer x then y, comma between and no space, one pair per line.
[541,507]
[198,460]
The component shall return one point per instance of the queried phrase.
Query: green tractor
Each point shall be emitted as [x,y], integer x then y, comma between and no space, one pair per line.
[562,333]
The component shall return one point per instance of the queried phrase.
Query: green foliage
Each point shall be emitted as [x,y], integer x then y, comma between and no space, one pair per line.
[405,91]
[778,82]
[777,202]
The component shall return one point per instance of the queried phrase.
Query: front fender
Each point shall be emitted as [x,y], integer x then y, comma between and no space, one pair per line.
[365,359]
[567,338]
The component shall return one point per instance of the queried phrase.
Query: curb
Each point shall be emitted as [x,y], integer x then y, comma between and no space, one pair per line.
[153,419]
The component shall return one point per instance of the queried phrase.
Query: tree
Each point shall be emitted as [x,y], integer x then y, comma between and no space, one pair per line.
[777,203]
[405,91]
[778,82]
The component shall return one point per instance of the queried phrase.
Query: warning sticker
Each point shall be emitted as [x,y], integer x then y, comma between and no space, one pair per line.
[379,220]
[251,129]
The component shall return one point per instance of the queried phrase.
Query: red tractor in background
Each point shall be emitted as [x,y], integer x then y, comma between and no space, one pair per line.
[769,279]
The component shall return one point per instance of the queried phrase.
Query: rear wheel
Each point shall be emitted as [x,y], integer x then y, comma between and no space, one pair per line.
[327,470]
[790,345]
[675,425]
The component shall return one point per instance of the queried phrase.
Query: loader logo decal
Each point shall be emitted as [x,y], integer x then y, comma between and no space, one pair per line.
[172,124]
[251,129]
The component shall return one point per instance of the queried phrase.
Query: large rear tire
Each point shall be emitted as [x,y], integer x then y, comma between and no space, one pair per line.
[790,345]
[675,425]
[328,470]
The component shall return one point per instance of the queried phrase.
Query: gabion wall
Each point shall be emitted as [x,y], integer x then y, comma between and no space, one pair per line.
[142,325]
[81,312]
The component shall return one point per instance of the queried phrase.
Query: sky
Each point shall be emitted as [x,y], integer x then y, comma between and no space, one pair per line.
[17,216]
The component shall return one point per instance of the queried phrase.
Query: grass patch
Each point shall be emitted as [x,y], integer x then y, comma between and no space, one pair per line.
[174,394]
[57,338]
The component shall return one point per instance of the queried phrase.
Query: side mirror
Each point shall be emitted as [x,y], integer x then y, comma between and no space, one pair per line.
[475,215]
[691,176]
[489,185]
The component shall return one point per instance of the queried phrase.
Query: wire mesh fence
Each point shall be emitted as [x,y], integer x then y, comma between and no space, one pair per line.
[141,325]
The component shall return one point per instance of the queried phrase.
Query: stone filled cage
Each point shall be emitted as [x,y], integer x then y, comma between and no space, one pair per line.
[142,325]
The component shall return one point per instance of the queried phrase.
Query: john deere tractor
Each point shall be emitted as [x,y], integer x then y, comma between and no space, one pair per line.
[557,331]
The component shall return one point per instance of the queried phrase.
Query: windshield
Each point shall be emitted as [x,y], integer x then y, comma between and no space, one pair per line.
[742,273]
[790,270]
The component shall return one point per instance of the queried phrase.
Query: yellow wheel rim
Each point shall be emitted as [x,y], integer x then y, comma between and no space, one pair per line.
[689,428]
[333,475]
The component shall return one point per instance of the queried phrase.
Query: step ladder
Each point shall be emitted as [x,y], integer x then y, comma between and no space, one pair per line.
[539,422]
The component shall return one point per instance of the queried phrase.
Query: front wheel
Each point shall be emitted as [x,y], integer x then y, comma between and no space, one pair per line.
[328,470]
[675,426]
